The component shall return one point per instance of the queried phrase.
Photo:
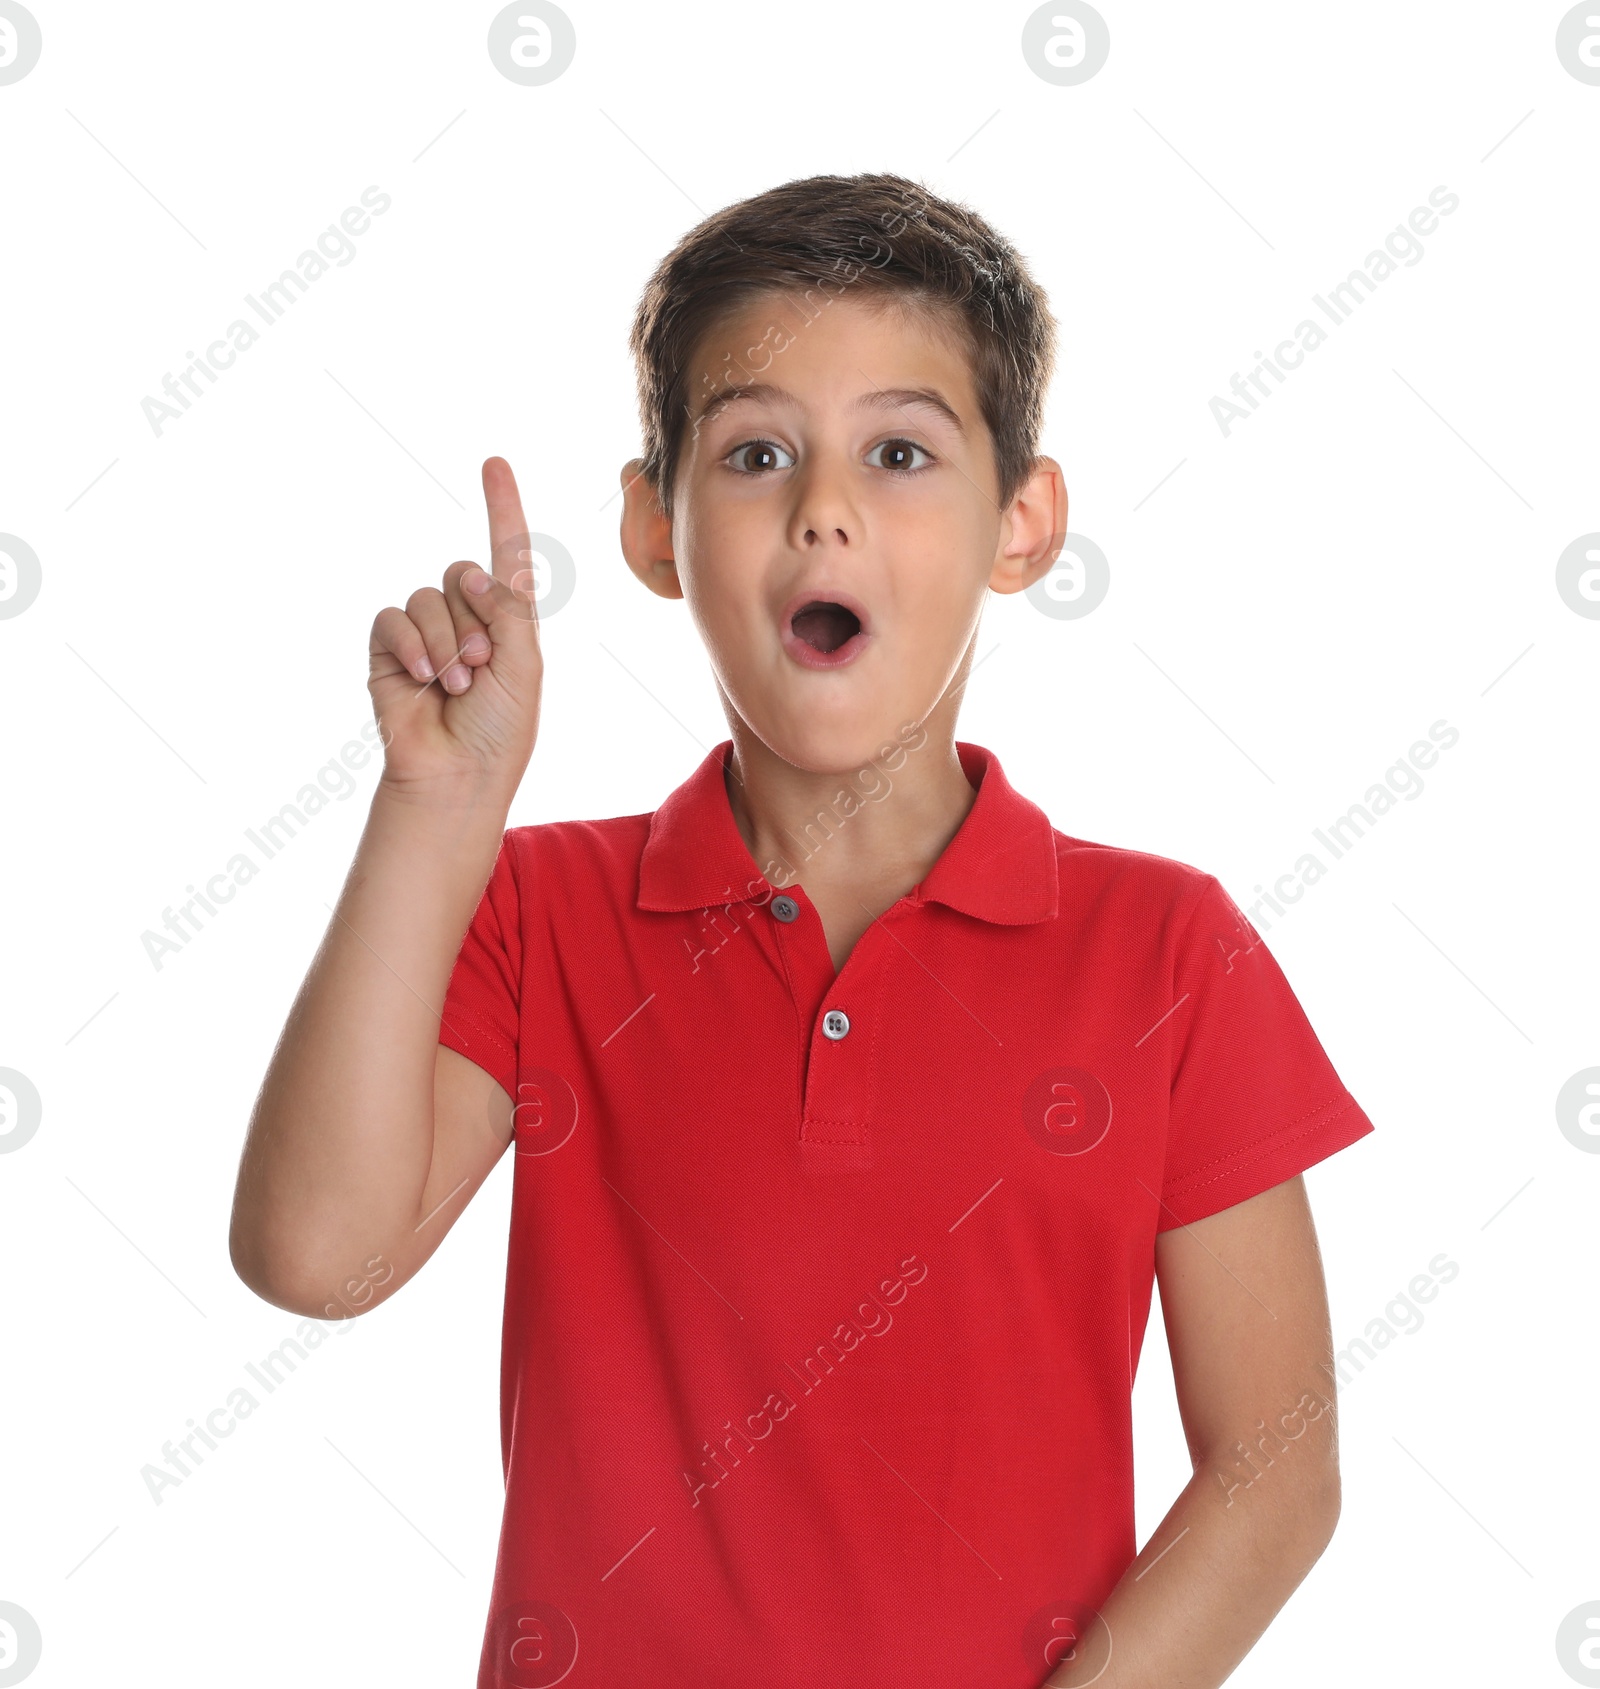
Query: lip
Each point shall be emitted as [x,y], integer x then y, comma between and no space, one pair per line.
[808,656]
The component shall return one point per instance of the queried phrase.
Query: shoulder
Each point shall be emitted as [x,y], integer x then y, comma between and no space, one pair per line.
[1129,879]
[606,839]
[1160,914]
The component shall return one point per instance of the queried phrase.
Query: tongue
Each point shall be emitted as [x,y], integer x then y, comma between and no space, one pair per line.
[825,626]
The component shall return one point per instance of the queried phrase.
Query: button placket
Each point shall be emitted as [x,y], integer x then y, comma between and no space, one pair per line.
[836,1053]
[802,948]
[842,1066]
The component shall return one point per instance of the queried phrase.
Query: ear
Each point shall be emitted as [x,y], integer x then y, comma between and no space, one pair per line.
[647,534]
[1032,530]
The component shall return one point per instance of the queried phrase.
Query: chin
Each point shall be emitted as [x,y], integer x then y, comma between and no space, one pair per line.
[827,742]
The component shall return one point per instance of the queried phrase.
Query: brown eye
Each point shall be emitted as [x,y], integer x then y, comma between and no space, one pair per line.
[757,457]
[900,452]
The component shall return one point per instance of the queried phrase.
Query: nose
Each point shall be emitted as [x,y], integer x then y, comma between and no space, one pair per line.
[825,512]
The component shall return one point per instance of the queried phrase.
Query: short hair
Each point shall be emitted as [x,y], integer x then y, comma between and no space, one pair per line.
[878,237]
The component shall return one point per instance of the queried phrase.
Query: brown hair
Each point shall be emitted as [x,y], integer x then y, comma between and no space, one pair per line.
[878,237]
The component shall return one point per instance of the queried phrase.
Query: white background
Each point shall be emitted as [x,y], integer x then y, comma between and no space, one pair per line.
[1289,609]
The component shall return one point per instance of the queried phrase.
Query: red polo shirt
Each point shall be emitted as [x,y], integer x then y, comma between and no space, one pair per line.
[825,1293]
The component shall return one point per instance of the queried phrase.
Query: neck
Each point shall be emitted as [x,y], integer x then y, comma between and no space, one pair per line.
[868,826]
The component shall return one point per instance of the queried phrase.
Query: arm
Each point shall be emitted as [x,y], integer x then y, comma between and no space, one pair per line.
[368,1138]
[341,1162]
[1246,1312]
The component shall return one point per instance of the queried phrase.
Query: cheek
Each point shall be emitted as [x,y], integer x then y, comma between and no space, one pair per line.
[957,527]
[943,570]
[726,588]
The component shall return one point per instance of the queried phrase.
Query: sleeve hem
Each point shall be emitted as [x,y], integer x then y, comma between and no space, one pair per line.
[479,1043]
[1337,1124]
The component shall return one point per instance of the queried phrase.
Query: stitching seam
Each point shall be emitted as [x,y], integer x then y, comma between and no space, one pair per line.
[1191,1183]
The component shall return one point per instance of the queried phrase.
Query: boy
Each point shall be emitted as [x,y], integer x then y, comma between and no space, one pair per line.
[855,1109]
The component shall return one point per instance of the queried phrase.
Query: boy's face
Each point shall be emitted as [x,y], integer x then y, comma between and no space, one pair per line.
[812,470]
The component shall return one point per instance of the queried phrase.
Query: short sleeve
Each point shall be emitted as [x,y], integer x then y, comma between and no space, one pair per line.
[480,1015]
[1255,1099]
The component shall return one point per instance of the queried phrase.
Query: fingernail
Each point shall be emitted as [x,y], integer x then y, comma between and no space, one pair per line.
[422,669]
[475,580]
[457,677]
[474,643]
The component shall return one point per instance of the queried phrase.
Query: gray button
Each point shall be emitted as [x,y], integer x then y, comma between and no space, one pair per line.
[835,1023]
[785,908]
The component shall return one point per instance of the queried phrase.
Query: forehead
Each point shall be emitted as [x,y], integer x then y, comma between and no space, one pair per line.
[832,345]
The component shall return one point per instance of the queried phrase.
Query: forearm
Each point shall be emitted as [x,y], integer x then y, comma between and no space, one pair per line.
[341,1137]
[1224,1560]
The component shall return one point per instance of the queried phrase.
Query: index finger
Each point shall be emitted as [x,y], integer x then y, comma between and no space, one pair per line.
[509,556]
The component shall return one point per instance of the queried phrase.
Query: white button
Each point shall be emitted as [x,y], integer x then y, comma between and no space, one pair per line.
[835,1023]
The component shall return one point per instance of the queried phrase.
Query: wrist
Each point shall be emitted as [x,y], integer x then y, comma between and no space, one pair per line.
[456,795]
[459,822]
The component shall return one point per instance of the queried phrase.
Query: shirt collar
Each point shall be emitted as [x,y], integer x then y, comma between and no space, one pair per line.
[1000,865]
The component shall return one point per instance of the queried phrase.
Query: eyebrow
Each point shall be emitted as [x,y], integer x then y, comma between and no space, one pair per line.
[880,398]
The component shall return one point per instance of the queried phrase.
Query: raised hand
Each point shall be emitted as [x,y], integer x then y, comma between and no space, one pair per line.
[456,676]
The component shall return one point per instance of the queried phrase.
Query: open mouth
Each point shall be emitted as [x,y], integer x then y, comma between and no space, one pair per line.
[825,632]
[824,625]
